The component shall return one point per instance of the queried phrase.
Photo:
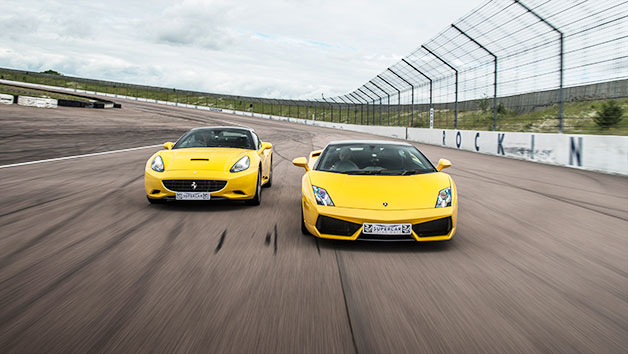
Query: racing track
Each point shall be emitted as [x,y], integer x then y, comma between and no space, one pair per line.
[539,263]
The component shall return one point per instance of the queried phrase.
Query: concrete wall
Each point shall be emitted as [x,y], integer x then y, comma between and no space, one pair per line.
[37,102]
[6,99]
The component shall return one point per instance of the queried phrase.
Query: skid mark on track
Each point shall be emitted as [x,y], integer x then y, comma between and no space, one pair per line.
[39,204]
[23,272]
[13,314]
[318,247]
[221,241]
[275,247]
[267,240]
[346,292]
[58,226]
[139,290]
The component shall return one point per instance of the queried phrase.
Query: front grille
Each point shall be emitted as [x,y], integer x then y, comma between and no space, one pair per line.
[332,226]
[202,185]
[438,227]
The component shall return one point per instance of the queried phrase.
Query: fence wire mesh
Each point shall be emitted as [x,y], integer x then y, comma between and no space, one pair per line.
[503,66]
[530,65]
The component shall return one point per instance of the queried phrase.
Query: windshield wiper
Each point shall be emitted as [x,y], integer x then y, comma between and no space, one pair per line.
[360,172]
[413,172]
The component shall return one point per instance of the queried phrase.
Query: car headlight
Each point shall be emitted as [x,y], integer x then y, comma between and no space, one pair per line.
[241,165]
[444,198]
[322,197]
[157,164]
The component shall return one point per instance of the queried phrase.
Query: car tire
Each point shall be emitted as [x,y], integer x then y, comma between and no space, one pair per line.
[269,183]
[304,229]
[156,201]
[257,199]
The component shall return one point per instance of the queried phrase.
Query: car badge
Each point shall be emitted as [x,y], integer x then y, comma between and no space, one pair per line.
[194,172]
[385,204]
[193,185]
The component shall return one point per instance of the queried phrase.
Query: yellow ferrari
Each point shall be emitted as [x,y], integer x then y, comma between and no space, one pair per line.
[376,191]
[211,163]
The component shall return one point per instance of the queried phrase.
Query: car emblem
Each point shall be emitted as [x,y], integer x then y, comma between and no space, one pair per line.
[193,185]
[385,204]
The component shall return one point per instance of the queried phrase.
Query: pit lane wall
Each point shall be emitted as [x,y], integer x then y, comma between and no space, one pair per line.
[601,153]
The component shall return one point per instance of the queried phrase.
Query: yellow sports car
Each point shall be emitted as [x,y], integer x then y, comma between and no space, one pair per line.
[376,191]
[211,163]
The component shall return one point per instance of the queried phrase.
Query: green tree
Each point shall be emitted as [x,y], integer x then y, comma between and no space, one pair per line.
[610,114]
[51,72]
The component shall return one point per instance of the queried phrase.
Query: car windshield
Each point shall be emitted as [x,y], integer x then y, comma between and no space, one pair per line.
[373,159]
[216,137]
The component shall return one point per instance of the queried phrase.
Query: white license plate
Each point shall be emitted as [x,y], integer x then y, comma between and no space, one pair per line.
[387,229]
[193,196]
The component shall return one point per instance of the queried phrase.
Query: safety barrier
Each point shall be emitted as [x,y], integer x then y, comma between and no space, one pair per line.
[601,153]
[36,102]
[6,99]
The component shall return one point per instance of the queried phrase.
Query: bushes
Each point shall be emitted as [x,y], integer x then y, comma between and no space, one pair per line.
[610,114]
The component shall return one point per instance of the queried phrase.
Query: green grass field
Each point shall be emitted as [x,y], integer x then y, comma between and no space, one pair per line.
[578,116]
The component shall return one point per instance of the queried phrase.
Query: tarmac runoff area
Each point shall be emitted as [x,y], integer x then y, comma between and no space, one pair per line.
[539,263]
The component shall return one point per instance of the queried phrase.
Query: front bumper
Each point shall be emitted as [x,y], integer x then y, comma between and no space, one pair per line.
[312,211]
[240,185]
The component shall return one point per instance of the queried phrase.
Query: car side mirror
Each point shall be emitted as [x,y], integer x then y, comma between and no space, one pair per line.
[442,163]
[266,146]
[301,162]
[168,146]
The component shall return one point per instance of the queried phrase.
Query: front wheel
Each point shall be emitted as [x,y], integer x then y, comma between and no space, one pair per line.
[257,199]
[269,183]
[304,229]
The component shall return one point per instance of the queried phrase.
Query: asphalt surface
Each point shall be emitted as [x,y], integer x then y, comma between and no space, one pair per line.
[539,263]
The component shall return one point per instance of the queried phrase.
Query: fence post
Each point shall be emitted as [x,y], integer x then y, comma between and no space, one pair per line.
[380,103]
[398,101]
[561,97]
[494,74]
[412,86]
[456,71]
[427,77]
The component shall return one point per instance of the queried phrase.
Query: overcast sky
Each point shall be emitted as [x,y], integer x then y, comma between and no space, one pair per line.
[271,48]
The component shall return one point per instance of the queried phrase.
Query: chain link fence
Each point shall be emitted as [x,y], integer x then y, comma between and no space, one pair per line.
[531,65]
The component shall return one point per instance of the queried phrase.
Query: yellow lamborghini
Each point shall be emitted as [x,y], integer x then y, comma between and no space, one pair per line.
[377,191]
[211,163]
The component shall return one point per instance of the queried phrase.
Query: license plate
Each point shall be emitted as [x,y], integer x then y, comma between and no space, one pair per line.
[387,229]
[193,196]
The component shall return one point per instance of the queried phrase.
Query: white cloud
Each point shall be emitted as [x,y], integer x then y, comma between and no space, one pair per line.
[275,48]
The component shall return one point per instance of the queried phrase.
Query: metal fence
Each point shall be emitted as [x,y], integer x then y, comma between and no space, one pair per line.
[495,57]
[530,65]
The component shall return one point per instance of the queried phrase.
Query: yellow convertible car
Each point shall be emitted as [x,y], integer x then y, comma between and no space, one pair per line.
[377,191]
[211,163]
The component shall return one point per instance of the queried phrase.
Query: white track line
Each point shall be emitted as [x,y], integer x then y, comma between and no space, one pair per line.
[78,156]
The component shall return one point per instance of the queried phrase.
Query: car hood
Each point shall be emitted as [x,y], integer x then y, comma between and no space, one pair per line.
[208,159]
[382,192]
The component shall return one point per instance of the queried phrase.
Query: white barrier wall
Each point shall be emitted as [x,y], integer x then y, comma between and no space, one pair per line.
[603,153]
[589,152]
[6,99]
[36,102]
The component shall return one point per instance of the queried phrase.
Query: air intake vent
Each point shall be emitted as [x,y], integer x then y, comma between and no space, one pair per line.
[438,227]
[333,226]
